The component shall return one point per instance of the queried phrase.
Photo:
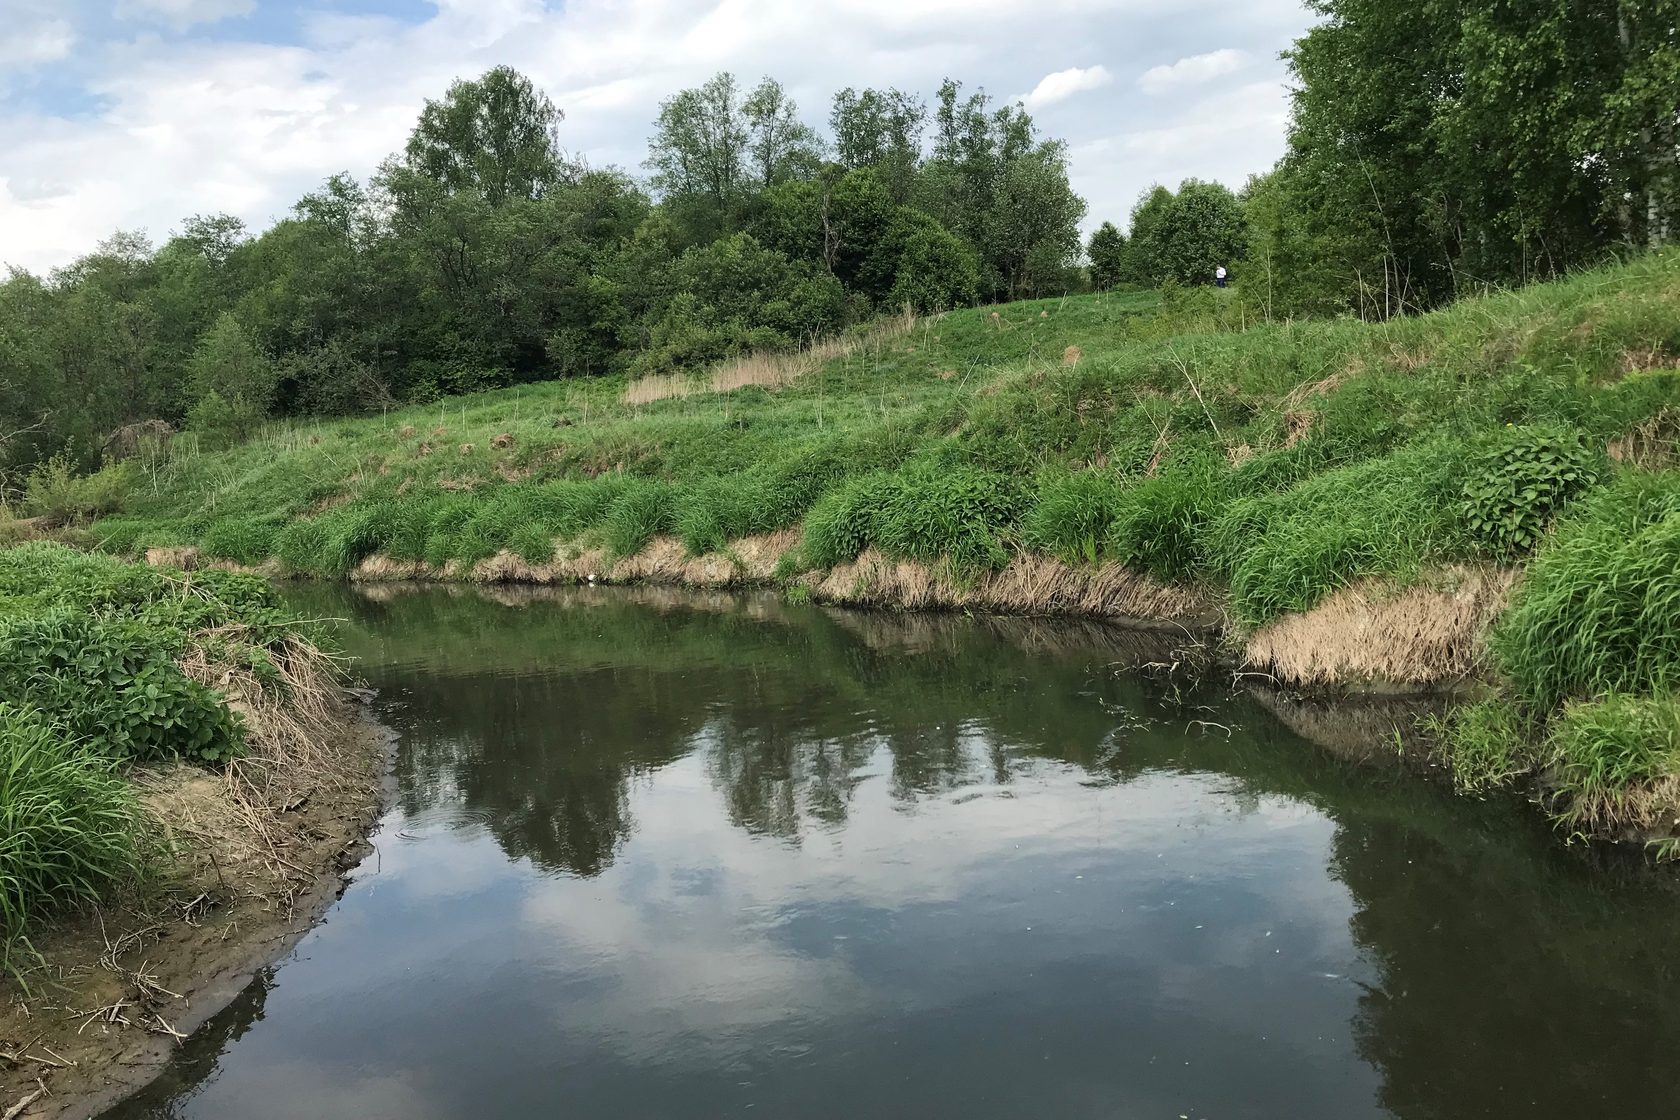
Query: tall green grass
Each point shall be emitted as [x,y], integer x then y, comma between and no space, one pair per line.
[68,825]
[1599,609]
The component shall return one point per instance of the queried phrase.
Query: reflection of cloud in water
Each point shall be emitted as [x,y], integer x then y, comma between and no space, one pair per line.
[779,933]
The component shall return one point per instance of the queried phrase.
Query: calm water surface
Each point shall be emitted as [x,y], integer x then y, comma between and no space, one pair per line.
[660,855]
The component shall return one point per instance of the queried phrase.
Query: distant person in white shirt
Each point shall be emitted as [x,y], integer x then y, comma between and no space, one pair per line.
[1219,275]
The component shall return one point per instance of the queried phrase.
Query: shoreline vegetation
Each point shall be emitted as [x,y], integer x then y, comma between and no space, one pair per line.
[184,781]
[1427,438]
[1480,499]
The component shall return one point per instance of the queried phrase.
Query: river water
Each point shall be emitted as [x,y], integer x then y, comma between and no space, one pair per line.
[678,855]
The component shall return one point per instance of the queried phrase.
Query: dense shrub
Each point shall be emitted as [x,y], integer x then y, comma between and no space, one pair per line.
[115,685]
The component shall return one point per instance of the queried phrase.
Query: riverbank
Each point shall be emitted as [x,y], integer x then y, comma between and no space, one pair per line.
[1422,503]
[187,784]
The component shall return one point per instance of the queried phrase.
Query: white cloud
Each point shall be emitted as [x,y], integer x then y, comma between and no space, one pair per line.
[34,34]
[1193,71]
[1064,84]
[181,14]
[159,127]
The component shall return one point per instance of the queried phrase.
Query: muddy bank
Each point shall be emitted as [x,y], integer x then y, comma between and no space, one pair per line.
[119,989]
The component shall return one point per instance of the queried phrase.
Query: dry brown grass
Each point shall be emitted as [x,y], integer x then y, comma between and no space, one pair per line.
[768,369]
[1419,637]
[1652,444]
[235,833]
[1028,585]
[658,387]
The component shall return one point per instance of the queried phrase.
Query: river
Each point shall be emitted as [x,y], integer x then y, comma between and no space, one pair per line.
[658,854]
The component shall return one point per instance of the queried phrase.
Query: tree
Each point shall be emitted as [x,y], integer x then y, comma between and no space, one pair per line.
[882,130]
[699,146]
[1107,250]
[497,136]
[1145,256]
[232,380]
[992,181]
[1203,230]
[936,270]
[781,145]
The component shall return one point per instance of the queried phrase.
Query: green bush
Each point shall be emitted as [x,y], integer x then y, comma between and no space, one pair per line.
[1599,609]
[114,684]
[55,492]
[957,514]
[68,825]
[1520,481]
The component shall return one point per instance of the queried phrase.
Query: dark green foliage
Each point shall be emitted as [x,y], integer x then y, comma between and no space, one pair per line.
[1599,609]
[1520,481]
[1107,251]
[68,824]
[1184,236]
[114,685]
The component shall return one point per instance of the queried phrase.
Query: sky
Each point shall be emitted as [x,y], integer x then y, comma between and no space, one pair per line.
[135,114]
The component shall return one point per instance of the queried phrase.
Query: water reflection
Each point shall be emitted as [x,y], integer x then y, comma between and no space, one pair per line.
[668,855]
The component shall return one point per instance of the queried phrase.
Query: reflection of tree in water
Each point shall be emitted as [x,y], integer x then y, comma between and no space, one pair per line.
[537,717]
[1514,981]
[544,762]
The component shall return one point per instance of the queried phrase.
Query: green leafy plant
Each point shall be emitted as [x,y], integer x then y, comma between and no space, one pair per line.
[1521,481]
[115,685]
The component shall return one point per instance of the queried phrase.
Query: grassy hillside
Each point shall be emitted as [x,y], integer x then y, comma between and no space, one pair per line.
[1272,464]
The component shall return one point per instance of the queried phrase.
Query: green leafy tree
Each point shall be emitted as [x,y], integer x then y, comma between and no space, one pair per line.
[700,143]
[780,145]
[232,379]
[1107,252]
[497,136]
[881,130]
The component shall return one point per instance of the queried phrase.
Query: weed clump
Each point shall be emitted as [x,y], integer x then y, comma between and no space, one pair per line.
[1521,480]
[69,828]
[1613,758]
[1599,611]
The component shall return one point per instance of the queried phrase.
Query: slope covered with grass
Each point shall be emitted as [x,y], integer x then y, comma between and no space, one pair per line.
[1269,464]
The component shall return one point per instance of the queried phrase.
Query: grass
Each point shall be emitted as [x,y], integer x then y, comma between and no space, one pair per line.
[69,828]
